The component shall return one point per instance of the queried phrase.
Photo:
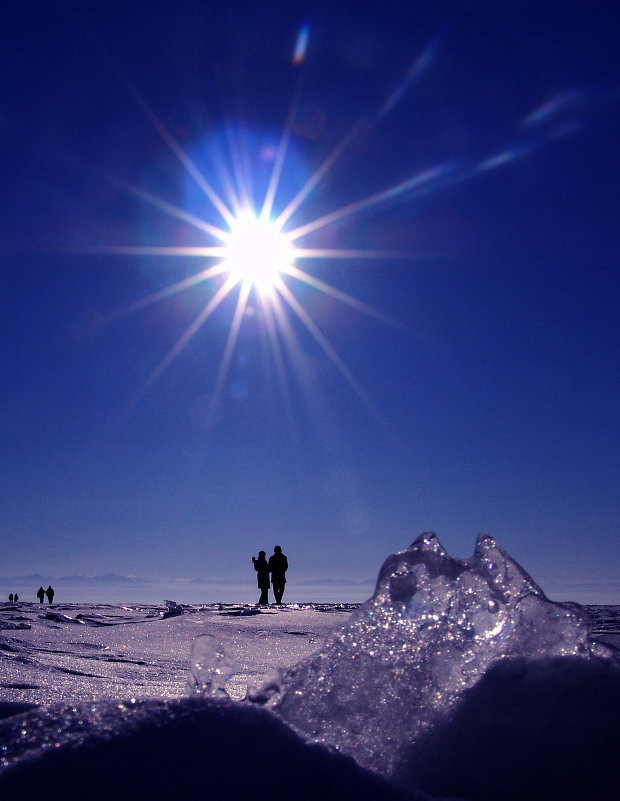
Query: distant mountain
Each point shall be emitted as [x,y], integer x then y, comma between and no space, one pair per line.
[334,582]
[115,578]
[75,579]
[106,578]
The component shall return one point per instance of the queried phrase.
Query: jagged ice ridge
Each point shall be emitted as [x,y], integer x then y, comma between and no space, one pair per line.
[433,628]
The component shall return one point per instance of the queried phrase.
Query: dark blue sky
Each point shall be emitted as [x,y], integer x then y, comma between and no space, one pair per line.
[490,406]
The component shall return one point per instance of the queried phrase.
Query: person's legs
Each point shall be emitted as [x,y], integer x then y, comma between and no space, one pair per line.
[278,592]
[264,597]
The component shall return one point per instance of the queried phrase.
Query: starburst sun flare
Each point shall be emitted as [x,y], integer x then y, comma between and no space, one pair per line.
[257,252]
[254,250]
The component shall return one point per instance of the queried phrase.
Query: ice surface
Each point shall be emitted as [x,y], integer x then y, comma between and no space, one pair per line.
[430,632]
[458,679]
[97,651]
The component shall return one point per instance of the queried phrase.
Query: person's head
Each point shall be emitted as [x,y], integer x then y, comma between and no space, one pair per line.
[277,549]
[261,553]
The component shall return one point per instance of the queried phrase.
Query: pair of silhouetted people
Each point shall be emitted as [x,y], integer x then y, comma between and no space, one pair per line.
[41,593]
[277,566]
[13,598]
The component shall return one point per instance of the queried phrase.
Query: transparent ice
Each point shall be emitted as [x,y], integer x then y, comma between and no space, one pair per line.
[431,630]
[211,667]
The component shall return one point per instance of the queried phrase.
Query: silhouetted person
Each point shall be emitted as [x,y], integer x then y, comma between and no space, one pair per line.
[16,597]
[262,569]
[50,593]
[40,594]
[278,565]
[10,597]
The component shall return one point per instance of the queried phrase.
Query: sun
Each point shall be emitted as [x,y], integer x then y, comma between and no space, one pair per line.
[256,240]
[257,252]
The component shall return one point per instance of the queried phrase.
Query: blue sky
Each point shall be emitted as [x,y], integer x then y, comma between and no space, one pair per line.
[468,158]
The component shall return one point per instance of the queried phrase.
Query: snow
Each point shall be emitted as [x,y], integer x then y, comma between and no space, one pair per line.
[71,652]
[457,679]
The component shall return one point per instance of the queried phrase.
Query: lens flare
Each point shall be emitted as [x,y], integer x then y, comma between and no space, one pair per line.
[257,252]
[301,45]
[250,243]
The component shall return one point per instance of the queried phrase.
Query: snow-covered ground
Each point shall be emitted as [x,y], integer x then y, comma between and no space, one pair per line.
[79,652]
[457,679]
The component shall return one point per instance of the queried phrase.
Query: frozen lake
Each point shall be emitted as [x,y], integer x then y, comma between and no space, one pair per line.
[83,652]
[457,679]
[86,652]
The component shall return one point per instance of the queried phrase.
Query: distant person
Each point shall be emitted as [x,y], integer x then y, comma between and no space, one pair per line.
[16,597]
[262,569]
[278,565]
[50,593]
[10,597]
[40,594]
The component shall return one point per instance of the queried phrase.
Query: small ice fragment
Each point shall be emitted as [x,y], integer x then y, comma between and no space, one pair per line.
[249,610]
[211,669]
[266,691]
[58,617]
[172,610]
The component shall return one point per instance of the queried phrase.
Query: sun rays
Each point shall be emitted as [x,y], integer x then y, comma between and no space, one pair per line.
[253,251]
[250,251]
[254,257]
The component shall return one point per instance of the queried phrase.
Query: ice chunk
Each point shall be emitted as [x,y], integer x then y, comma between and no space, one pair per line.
[431,630]
[172,610]
[212,667]
[58,617]
[7,625]
[266,692]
